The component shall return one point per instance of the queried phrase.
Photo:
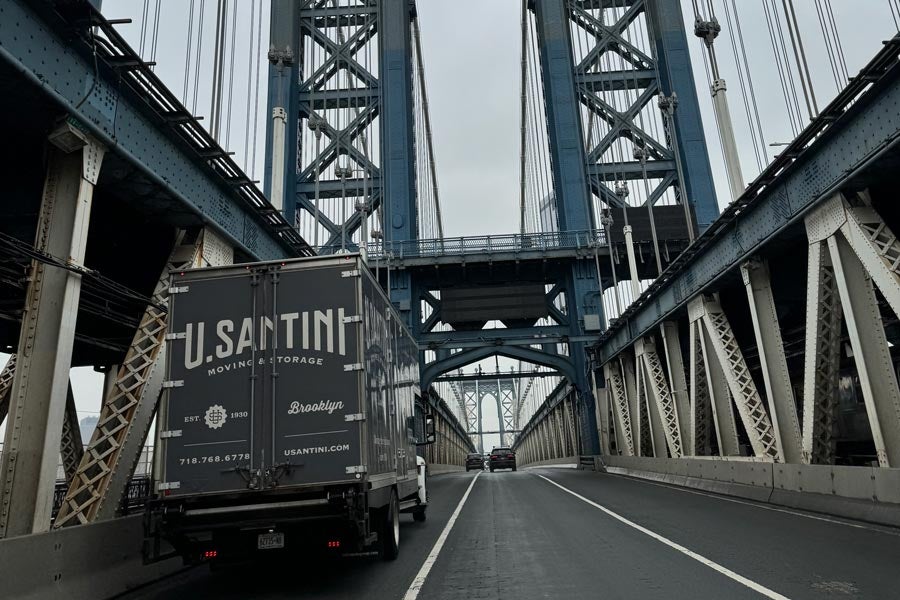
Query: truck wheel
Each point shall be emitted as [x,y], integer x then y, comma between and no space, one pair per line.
[419,514]
[390,530]
[514,467]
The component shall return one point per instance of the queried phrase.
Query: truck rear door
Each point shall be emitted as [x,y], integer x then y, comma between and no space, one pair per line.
[317,403]
[206,425]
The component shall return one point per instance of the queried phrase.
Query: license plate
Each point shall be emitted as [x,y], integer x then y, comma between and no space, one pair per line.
[270,541]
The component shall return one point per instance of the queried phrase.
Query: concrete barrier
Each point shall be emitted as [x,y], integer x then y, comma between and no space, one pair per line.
[865,493]
[567,460]
[88,562]
[438,468]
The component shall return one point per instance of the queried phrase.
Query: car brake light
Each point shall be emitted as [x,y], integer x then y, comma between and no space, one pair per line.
[509,456]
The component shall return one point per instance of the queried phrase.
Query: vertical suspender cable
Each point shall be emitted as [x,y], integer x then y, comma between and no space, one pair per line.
[234,10]
[197,58]
[250,64]
[187,54]
[800,58]
[427,123]
[523,108]
[256,87]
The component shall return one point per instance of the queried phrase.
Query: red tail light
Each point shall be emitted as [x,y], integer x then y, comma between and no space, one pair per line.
[494,456]
[334,543]
[509,456]
[210,554]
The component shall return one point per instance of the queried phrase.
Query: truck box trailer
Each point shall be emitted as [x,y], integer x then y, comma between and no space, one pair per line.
[290,414]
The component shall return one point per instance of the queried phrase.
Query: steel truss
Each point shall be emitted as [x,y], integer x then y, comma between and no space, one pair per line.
[773,362]
[660,403]
[740,383]
[128,408]
[340,161]
[625,71]
[615,384]
[864,253]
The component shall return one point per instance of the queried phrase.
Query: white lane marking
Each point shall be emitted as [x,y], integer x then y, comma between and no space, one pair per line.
[679,488]
[416,586]
[756,587]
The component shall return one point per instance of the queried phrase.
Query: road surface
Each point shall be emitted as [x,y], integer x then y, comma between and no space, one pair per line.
[565,533]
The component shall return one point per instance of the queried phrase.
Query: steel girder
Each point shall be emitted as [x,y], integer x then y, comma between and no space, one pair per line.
[715,404]
[675,368]
[660,402]
[128,409]
[864,254]
[701,409]
[6,381]
[130,112]
[37,404]
[822,357]
[728,355]
[773,362]
[615,384]
[454,361]
[572,195]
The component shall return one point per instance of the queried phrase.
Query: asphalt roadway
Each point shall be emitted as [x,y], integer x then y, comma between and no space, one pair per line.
[565,533]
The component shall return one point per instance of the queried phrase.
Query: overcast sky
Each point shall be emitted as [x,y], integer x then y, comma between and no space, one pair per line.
[472,55]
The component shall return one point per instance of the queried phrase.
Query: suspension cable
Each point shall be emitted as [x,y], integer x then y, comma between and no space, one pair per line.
[187,54]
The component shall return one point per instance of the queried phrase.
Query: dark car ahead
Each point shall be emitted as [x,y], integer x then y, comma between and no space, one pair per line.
[474,461]
[503,458]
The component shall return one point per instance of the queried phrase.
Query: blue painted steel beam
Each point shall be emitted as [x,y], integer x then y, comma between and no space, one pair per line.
[676,76]
[574,202]
[860,126]
[60,65]
[434,370]
[398,157]
[567,157]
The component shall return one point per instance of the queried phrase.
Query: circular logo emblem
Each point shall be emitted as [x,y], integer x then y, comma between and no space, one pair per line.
[215,416]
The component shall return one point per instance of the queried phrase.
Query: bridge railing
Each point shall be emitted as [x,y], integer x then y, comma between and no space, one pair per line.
[513,242]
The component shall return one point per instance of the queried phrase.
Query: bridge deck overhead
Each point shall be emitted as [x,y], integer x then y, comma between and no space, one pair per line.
[160,157]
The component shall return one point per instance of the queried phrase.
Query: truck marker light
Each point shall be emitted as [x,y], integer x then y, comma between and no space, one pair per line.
[210,554]
[334,543]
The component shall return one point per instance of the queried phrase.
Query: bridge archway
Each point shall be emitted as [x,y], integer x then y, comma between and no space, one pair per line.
[455,361]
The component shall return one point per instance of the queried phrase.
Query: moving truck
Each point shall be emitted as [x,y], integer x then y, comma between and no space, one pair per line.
[290,414]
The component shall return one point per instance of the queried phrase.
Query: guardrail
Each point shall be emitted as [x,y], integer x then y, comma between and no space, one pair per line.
[864,493]
[487,244]
[137,494]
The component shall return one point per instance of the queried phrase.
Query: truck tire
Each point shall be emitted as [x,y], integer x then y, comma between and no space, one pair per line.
[390,529]
[419,514]
[514,467]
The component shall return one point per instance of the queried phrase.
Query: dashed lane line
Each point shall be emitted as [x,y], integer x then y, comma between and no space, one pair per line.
[416,586]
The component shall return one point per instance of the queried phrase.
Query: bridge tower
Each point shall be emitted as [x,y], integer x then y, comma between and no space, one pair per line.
[341,125]
[574,38]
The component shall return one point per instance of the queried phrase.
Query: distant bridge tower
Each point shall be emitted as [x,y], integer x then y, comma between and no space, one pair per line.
[505,393]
